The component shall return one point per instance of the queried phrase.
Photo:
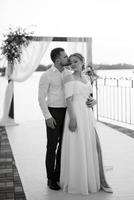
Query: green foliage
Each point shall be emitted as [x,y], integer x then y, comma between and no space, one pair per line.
[13,42]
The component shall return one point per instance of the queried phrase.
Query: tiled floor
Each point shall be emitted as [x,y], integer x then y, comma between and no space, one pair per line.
[11,186]
[10,183]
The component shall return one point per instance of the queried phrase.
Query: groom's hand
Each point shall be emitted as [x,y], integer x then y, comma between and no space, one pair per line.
[51,123]
[91,102]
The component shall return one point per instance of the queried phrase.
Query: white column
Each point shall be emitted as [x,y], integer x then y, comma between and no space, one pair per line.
[89,50]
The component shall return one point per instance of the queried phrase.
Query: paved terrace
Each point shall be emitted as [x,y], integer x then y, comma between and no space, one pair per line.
[22,170]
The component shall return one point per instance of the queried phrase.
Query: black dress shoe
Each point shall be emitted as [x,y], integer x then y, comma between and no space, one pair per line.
[53,185]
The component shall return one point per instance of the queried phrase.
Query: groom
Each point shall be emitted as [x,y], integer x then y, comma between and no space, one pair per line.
[53,109]
[53,105]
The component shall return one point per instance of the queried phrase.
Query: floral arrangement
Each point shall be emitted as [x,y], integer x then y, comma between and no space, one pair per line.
[90,71]
[12,45]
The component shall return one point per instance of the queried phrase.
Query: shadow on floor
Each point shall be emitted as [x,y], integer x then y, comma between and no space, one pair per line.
[123,130]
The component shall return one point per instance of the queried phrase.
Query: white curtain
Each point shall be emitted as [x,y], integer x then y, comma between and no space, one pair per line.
[81,45]
[31,57]
[30,60]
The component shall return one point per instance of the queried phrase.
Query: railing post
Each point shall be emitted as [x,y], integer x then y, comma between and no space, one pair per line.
[117,82]
[130,102]
[97,112]
[132,83]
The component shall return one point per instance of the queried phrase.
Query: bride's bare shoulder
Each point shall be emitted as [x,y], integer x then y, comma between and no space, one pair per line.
[86,78]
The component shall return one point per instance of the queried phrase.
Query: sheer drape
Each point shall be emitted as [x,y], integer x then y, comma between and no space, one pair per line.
[31,57]
[81,45]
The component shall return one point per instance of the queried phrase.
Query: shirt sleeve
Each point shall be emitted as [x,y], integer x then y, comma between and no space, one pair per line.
[42,94]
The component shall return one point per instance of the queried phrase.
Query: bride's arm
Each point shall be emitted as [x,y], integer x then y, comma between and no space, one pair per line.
[72,118]
[69,91]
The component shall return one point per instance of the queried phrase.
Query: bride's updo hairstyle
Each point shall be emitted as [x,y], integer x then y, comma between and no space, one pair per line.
[82,59]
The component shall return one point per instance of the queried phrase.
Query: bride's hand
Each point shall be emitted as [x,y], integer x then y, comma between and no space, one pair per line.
[72,125]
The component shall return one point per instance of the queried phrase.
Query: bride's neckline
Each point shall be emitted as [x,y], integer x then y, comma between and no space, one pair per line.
[79,80]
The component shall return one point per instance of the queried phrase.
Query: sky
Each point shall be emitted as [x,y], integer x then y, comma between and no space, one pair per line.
[108,22]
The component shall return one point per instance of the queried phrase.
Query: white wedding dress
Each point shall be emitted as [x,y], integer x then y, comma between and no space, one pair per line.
[81,159]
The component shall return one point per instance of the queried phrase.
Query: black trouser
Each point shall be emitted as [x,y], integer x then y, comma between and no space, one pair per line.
[54,140]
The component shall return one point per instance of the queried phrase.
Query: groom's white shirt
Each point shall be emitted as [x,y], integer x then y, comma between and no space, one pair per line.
[51,91]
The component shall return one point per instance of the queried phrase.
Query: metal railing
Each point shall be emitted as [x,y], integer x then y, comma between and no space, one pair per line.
[115,99]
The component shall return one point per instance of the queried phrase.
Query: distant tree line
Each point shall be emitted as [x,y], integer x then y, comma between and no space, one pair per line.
[113,66]
[96,67]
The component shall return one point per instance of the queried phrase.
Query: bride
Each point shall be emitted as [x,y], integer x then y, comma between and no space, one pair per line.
[81,159]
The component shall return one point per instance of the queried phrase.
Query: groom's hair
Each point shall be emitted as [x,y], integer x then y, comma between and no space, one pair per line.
[55,53]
